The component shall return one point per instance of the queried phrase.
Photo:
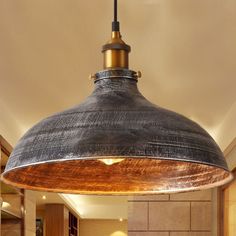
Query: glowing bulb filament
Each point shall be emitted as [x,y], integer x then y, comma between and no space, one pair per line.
[110,161]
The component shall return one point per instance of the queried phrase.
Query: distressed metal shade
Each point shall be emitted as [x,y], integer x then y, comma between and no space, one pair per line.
[157,150]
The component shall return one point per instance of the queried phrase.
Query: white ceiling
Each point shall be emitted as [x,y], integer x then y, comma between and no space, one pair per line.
[43,198]
[186,50]
[98,207]
[86,207]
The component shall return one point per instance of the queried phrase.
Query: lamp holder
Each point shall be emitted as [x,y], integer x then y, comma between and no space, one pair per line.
[116,51]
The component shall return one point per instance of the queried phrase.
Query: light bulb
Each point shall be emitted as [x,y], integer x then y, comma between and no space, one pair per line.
[110,161]
[6,205]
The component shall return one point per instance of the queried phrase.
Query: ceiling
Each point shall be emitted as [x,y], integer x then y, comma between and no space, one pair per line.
[87,207]
[43,198]
[185,50]
[98,207]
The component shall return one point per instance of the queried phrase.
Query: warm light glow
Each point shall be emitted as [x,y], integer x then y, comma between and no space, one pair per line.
[120,219]
[44,197]
[5,205]
[118,233]
[110,161]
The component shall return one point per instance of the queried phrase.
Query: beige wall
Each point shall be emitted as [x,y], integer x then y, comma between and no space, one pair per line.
[184,214]
[14,201]
[11,229]
[30,213]
[103,228]
[226,130]
[230,194]
[10,129]
[229,210]
[230,154]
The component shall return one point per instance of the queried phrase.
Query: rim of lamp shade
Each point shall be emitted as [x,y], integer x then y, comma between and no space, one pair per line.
[153,150]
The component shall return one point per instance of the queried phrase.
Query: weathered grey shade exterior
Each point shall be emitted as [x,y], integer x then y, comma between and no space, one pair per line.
[116,121]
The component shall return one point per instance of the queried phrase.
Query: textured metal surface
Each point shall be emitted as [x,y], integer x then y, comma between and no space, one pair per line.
[117,73]
[116,121]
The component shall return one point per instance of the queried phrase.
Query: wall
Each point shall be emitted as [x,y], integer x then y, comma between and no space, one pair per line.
[230,154]
[11,229]
[103,228]
[30,213]
[56,220]
[226,130]
[184,214]
[9,127]
[229,195]
[229,210]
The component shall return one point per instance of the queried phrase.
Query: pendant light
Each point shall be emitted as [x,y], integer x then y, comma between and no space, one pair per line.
[116,142]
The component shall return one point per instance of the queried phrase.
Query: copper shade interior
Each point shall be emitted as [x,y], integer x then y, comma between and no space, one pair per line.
[130,176]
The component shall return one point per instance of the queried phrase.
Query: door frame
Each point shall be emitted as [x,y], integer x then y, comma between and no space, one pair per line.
[220,192]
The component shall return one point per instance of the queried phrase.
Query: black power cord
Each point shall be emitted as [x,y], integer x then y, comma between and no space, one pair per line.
[115,23]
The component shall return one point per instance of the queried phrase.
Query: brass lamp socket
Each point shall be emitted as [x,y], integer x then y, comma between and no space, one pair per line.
[116,52]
